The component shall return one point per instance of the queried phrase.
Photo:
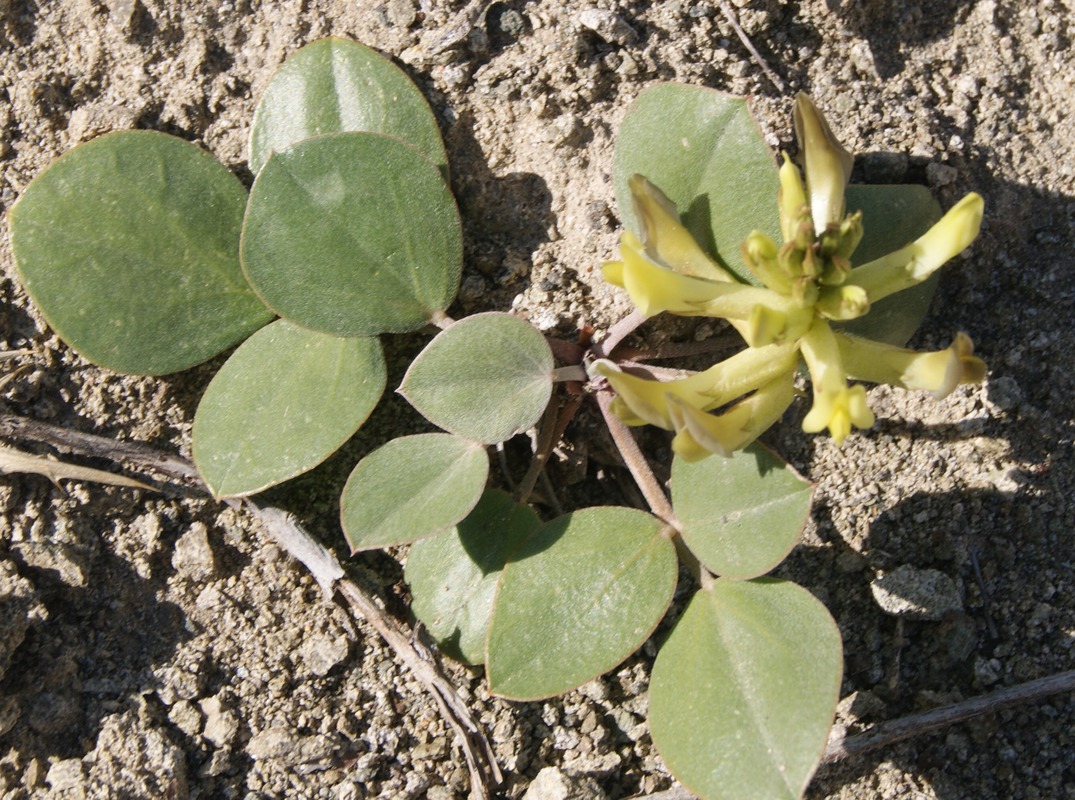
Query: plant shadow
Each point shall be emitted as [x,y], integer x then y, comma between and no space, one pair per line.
[893,28]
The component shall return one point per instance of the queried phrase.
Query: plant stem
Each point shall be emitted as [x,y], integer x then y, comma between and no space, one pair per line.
[441,320]
[572,372]
[636,462]
[552,428]
[617,333]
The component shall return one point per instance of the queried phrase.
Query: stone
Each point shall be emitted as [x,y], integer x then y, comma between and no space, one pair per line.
[133,760]
[554,784]
[401,13]
[9,713]
[19,609]
[271,743]
[193,557]
[91,121]
[221,724]
[121,12]
[187,717]
[320,652]
[50,713]
[612,28]
[940,174]
[913,593]
[1004,393]
[288,748]
[66,775]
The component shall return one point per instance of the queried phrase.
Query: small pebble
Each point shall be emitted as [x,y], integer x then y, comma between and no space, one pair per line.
[1004,393]
[193,557]
[610,27]
[221,724]
[66,775]
[320,653]
[554,784]
[401,13]
[186,716]
[925,594]
[940,174]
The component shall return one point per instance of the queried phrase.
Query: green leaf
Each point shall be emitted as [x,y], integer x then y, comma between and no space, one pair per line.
[703,149]
[892,216]
[285,401]
[744,691]
[336,85]
[410,488]
[353,234]
[129,245]
[453,575]
[740,515]
[581,595]
[486,378]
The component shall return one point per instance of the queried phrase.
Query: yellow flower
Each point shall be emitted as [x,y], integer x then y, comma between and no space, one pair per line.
[837,406]
[699,434]
[643,401]
[938,373]
[808,283]
[914,263]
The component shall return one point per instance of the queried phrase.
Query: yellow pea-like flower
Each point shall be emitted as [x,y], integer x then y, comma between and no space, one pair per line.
[808,282]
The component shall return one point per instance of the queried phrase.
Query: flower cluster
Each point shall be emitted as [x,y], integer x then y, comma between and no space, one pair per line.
[808,283]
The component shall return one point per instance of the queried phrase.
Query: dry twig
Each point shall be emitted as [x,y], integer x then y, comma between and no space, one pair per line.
[886,733]
[730,16]
[321,563]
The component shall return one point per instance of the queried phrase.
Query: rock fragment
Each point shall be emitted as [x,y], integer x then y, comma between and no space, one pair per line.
[221,723]
[913,593]
[19,608]
[612,28]
[320,652]
[554,784]
[193,558]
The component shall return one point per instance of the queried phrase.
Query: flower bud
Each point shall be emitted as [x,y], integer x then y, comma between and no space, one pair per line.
[825,161]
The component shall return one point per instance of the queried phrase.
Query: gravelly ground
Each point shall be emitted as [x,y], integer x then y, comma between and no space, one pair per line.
[156,647]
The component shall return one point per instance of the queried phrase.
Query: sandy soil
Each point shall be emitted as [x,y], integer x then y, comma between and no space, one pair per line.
[157,647]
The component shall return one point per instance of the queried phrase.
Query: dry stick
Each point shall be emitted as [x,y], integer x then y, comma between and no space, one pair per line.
[730,16]
[886,733]
[321,563]
[135,454]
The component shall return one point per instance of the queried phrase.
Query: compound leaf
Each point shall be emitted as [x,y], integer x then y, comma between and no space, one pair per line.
[582,594]
[740,515]
[129,245]
[744,691]
[453,575]
[410,488]
[486,378]
[703,149]
[353,234]
[336,85]
[285,401]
